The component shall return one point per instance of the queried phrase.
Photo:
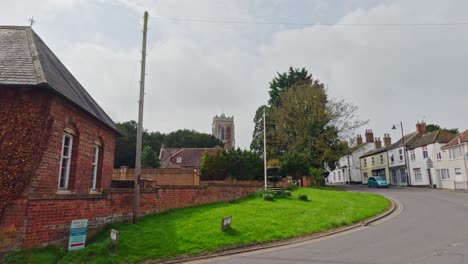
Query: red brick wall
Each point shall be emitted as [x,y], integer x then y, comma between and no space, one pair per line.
[88,131]
[49,218]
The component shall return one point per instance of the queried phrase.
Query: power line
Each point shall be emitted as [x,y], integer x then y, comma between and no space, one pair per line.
[309,24]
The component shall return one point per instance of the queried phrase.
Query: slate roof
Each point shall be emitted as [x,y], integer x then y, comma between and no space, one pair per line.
[191,157]
[463,137]
[440,136]
[26,60]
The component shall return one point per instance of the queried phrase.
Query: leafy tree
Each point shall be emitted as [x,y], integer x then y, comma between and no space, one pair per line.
[302,119]
[295,164]
[234,164]
[125,147]
[286,80]
[149,158]
[434,127]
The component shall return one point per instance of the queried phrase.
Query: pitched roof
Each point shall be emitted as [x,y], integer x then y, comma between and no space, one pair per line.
[373,152]
[26,60]
[461,138]
[439,136]
[191,157]
[409,139]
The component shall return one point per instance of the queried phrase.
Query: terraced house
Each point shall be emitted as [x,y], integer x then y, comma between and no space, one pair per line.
[375,162]
[451,164]
[422,154]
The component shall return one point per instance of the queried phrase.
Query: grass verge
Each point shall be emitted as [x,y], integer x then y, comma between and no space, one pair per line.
[197,229]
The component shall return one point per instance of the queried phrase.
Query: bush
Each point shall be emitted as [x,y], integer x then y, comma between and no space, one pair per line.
[288,193]
[235,164]
[268,197]
[291,187]
[302,197]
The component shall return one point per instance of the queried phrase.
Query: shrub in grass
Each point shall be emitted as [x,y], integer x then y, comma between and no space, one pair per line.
[292,187]
[268,197]
[287,193]
[302,197]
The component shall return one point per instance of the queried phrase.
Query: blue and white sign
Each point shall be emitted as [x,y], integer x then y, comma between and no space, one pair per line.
[78,231]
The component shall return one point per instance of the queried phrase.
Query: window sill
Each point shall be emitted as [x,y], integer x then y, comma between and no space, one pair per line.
[94,192]
[446,179]
[63,192]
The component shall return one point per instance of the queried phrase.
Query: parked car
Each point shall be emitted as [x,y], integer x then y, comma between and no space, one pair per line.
[377,182]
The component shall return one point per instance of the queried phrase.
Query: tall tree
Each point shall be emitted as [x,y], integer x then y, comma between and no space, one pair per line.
[149,158]
[280,83]
[294,76]
[125,146]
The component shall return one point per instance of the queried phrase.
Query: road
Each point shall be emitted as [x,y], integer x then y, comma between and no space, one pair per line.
[432,227]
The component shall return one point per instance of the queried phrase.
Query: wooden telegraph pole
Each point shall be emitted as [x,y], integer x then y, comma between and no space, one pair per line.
[136,201]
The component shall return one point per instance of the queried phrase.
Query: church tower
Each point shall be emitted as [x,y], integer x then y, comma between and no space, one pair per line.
[223,129]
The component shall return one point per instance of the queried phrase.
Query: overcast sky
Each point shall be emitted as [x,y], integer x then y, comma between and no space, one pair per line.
[197,69]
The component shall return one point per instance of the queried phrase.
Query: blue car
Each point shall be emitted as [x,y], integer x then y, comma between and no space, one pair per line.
[378,182]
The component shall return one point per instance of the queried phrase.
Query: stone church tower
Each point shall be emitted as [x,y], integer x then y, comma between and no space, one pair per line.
[223,129]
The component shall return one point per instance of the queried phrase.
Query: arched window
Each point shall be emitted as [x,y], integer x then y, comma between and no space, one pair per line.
[68,151]
[223,133]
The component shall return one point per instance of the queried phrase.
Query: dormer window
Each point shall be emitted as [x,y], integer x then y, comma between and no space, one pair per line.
[179,160]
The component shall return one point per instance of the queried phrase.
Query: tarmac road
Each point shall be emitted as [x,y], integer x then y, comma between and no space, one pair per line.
[432,227]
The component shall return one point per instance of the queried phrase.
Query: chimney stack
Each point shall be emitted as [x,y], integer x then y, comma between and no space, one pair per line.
[387,140]
[359,139]
[421,128]
[369,136]
[378,143]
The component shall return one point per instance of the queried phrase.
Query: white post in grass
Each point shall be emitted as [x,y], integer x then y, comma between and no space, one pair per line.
[264,149]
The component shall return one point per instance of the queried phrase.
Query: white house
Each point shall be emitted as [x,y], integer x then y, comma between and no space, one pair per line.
[451,166]
[396,159]
[422,154]
[348,168]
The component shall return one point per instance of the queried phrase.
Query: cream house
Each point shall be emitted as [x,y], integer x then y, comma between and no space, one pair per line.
[375,162]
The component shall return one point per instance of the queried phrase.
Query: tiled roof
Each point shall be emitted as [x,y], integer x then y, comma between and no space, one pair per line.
[191,157]
[440,136]
[373,152]
[462,138]
[26,60]
[409,139]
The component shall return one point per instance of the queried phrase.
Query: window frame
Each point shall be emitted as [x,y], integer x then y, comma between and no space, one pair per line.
[417,174]
[94,168]
[425,152]
[412,155]
[452,152]
[68,158]
[445,176]
[178,160]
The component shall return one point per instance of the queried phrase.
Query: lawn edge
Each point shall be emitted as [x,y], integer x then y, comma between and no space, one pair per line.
[231,250]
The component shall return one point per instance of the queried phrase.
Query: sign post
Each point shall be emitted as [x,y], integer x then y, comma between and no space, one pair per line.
[78,229]
[226,223]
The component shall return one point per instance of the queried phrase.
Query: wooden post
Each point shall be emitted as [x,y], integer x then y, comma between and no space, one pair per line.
[136,201]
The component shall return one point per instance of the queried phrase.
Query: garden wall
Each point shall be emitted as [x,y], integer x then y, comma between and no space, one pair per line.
[39,220]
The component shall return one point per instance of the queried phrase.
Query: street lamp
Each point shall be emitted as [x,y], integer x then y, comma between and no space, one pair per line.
[408,178]
[264,149]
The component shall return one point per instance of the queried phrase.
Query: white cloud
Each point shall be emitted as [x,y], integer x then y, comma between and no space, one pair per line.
[197,69]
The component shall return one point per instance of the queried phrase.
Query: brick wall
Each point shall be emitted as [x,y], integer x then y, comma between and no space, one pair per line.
[48,218]
[165,176]
[87,131]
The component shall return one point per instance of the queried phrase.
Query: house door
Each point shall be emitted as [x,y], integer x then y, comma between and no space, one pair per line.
[404,179]
[429,175]
[393,173]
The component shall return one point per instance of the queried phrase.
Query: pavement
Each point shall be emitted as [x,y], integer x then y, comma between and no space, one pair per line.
[432,227]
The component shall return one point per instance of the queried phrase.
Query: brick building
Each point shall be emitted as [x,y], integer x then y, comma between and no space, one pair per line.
[56,142]
[57,153]
[184,157]
[223,129]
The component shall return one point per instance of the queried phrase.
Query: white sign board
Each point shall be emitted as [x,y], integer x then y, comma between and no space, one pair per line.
[78,229]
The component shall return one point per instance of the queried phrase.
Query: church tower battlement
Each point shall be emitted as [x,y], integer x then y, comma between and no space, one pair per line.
[223,129]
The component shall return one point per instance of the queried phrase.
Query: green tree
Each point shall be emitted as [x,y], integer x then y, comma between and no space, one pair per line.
[125,147]
[295,164]
[294,76]
[234,164]
[149,158]
[434,127]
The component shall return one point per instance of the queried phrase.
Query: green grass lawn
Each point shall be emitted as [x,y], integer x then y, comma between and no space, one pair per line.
[196,229]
